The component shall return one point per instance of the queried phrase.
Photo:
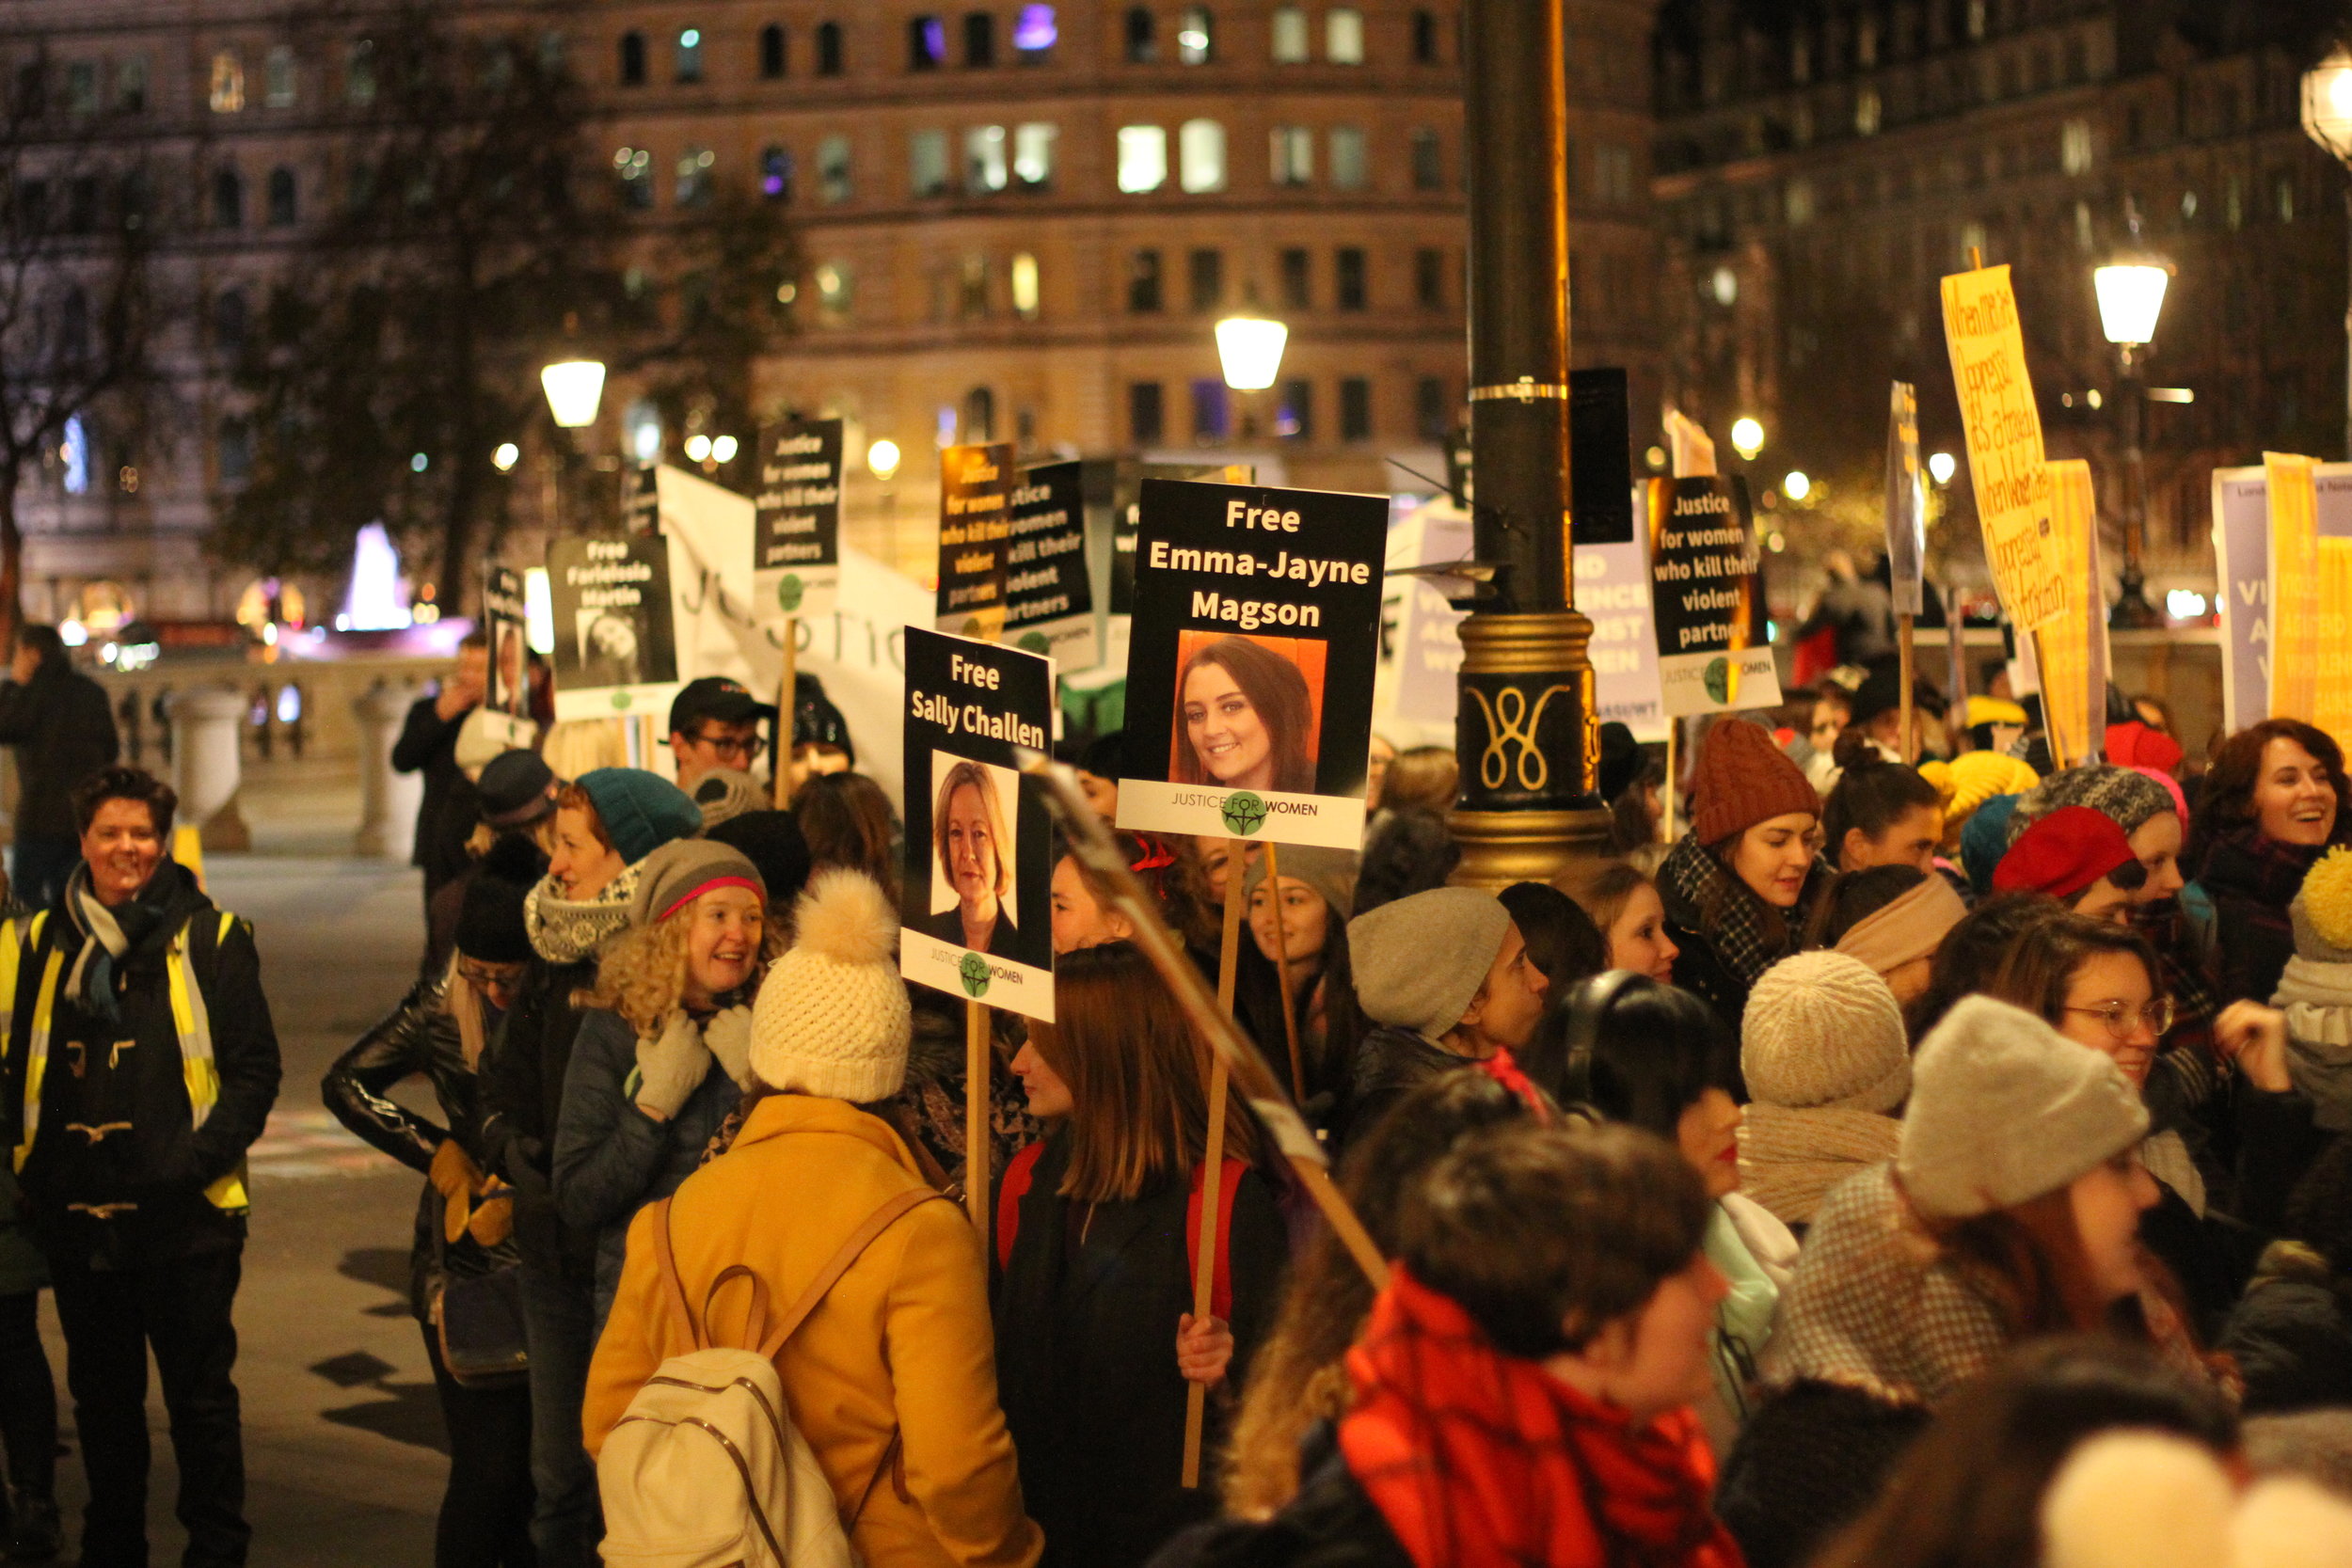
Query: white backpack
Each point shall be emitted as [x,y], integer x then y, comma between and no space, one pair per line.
[706,1469]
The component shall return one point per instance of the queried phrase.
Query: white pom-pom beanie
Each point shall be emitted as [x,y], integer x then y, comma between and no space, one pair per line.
[831,1017]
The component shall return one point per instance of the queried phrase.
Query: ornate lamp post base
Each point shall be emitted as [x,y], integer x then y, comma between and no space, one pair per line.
[1527,738]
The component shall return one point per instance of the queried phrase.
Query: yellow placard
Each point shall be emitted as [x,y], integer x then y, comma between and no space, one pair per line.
[2334,708]
[2064,645]
[2293,501]
[2004,432]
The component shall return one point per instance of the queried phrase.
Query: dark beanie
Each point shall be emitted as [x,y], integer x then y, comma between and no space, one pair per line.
[490,921]
[772,841]
[814,719]
[641,811]
[1620,760]
[1744,777]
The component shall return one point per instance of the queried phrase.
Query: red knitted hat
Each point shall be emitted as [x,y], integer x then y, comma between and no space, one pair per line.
[1743,779]
[2063,853]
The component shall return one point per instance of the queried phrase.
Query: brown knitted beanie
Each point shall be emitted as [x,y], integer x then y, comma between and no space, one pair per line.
[1743,779]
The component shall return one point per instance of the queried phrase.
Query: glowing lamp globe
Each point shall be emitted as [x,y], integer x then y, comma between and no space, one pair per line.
[1747,438]
[2328,103]
[574,388]
[2131,297]
[1942,466]
[882,460]
[1251,349]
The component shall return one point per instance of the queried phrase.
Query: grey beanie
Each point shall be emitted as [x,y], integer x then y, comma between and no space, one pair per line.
[2125,796]
[1330,872]
[726,793]
[1418,962]
[685,868]
[1821,1031]
[2005,1109]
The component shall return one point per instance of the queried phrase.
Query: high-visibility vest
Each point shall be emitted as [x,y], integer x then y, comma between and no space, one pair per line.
[189,1021]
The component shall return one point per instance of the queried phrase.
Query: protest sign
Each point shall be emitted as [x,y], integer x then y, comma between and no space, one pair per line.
[1428,628]
[2004,434]
[1049,602]
[1906,503]
[641,498]
[506,693]
[1601,456]
[976,902]
[2241,553]
[2291,502]
[2334,709]
[976,486]
[2064,661]
[796,520]
[1706,594]
[615,644]
[1249,671]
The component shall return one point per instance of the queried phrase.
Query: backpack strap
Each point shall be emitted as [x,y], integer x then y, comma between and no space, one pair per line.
[665,1261]
[880,1220]
[755,1313]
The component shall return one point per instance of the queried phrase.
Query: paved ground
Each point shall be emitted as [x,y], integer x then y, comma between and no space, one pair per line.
[343,1431]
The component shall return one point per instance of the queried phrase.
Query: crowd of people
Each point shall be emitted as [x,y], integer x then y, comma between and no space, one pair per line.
[1934,1164]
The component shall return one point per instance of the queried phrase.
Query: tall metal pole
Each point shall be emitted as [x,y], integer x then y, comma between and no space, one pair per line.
[1524,730]
[2132,608]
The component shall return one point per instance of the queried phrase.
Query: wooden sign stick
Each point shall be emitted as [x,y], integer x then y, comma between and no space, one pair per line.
[1282,968]
[1213,1157]
[1910,745]
[780,785]
[975,1120]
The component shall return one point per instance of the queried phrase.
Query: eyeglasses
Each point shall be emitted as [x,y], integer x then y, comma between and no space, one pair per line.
[483,977]
[730,746]
[2123,1019]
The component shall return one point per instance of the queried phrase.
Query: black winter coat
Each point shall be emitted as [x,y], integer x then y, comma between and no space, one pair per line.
[1809,1462]
[418,1040]
[451,807]
[1331,1523]
[139,1189]
[522,1100]
[1087,1312]
[63,730]
[1391,1064]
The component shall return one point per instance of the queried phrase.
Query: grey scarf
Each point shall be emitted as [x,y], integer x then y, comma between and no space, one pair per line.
[566,930]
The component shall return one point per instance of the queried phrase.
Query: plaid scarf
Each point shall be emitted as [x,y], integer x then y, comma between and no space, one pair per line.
[566,930]
[1481,1460]
[1747,934]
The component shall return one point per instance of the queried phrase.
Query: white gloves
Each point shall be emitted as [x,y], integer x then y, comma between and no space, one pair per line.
[729,1035]
[670,1067]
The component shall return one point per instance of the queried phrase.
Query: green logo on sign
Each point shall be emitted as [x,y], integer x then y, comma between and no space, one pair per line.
[972,971]
[789,593]
[972,627]
[620,700]
[1720,679]
[1033,642]
[1245,813]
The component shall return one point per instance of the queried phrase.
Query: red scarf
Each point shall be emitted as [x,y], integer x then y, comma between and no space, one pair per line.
[1482,1459]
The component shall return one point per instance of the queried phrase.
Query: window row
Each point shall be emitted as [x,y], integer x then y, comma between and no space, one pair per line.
[1200,157]
[1209,409]
[90,87]
[280,202]
[773,50]
[1291,38]
[1149,285]
[994,159]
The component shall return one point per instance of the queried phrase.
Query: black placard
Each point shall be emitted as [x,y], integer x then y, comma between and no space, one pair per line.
[1049,602]
[976,485]
[640,499]
[505,626]
[796,518]
[976,900]
[615,643]
[1601,456]
[1707,592]
[1265,605]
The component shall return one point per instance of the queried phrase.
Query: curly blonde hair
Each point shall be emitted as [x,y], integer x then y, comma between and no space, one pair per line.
[643,974]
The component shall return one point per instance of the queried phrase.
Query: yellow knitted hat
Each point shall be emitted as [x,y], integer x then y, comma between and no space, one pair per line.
[2326,902]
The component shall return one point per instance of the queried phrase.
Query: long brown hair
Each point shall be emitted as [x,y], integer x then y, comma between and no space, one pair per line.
[2228,802]
[1277,690]
[1136,1073]
[845,819]
[2043,959]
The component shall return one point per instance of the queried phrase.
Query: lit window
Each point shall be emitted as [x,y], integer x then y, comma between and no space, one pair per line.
[1142,158]
[1866,112]
[359,74]
[633,165]
[1194,36]
[1024,292]
[1344,36]
[1289,35]
[775,174]
[832,169]
[227,83]
[1033,154]
[693,177]
[984,165]
[1034,34]
[1292,154]
[972,288]
[1200,156]
[1798,202]
[640,428]
[1350,169]
[74,452]
[2075,145]
[927,43]
[278,90]
[836,290]
[926,162]
[690,55]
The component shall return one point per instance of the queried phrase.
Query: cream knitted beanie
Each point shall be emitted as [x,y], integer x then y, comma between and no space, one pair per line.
[832,1018]
[1822,1031]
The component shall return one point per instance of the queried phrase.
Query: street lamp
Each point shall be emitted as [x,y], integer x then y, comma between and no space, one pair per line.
[1747,438]
[2327,121]
[1251,350]
[882,460]
[1942,466]
[574,388]
[2131,293]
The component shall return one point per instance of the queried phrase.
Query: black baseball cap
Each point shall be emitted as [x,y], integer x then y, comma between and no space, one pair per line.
[730,702]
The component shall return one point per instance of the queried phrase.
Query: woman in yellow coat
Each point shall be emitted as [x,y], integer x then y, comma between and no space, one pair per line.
[903,1340]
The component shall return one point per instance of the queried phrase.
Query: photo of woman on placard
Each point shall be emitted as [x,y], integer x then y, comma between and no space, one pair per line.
[1245,717]
[971,843]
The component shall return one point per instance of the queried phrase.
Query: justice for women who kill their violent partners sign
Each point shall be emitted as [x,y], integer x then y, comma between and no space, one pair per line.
[976,909]
[1250,664]
[1707,592]
[796,521]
